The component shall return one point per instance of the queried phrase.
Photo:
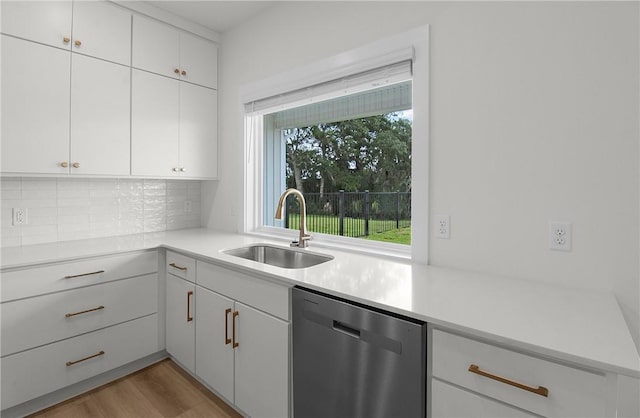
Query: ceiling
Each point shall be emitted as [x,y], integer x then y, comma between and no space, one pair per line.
[218,16]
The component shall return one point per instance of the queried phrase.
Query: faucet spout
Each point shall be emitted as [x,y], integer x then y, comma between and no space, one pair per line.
[304,237]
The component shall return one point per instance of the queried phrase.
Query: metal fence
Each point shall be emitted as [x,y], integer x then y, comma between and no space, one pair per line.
[352,214]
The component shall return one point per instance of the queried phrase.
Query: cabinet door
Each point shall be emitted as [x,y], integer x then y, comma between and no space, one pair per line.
[102,30]
[47,22]
[198,61]
[155,47]
[214,350]
[154,124]
[451,402]
[262,363]
[180,332]
[35,107]
[100,117]
[198,131]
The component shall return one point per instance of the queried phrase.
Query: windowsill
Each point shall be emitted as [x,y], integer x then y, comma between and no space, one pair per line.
[356,245]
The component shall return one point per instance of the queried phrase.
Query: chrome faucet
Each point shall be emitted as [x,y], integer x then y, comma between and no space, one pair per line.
[304,237]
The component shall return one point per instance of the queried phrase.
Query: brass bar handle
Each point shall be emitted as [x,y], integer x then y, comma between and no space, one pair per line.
[84,274]
[69,315]
[540,390]
[71,363]
[233,329]
[189,317]
[227,340]
[175,266]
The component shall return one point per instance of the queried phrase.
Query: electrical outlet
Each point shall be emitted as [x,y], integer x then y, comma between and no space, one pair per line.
[188,206]
[20,216]
[560,236]
[443,227]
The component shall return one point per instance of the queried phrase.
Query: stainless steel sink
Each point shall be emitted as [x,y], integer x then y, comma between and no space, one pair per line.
[279,256]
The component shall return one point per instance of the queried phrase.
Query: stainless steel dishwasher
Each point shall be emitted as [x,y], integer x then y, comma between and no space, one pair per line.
[355,361]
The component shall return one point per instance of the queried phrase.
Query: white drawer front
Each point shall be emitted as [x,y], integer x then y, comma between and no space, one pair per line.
[40,320]
[261,294]
[35,281]
[181,266]
[36,372]
[571,392]
[452,402]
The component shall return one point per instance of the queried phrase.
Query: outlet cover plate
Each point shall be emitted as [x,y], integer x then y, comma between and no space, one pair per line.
[442,227]
[560,236]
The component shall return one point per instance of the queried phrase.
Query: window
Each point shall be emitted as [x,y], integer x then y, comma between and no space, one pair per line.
[347,142]
[351,158]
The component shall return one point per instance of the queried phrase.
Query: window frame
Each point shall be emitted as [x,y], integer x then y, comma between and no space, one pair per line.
[413,44]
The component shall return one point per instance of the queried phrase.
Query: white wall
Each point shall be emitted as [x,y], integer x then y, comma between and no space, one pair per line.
[534,118]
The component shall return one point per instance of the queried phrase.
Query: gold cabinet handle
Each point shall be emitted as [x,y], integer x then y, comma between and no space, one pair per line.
[66,39]
[71,363]
[183,72]
[176,70]
[64,164]
[77,43]
[182,169]
[189,317]
[175,266]
[84,274]
[540,390]
[227,340]
[233,329]
[76,165]
[69,315]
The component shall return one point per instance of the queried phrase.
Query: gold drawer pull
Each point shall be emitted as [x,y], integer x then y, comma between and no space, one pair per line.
[227,340]
[189,317]
[84,274]
[540,390]
[175,266]
[71,363]
[69,315]
[233,329]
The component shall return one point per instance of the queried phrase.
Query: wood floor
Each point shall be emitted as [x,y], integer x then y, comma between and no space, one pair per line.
[160,390]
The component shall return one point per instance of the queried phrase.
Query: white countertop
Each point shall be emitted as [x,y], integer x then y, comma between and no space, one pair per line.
[579,326]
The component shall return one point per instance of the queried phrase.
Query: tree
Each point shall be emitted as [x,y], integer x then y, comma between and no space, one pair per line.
[372,153]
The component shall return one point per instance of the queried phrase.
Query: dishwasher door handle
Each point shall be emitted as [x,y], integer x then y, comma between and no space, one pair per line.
[346,329]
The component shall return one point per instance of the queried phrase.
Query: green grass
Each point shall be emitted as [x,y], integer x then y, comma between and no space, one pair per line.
[327,224]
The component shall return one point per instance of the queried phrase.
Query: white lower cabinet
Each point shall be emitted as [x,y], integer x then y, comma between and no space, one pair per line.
[32,373]
[66,322]
[492,377]
[242,352]
[452,402]
[180,325]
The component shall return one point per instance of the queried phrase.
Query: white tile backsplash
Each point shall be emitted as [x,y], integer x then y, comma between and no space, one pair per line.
[62,209]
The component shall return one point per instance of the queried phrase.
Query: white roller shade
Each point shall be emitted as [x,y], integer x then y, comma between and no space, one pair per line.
[351,85]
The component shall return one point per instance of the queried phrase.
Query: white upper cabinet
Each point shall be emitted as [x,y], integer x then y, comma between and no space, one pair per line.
[100,112]
[47,22]
[198,61]
[35,107]
[163,50]
[102,30]
[198,131]
[173,128]
[96,28]
[155,125]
